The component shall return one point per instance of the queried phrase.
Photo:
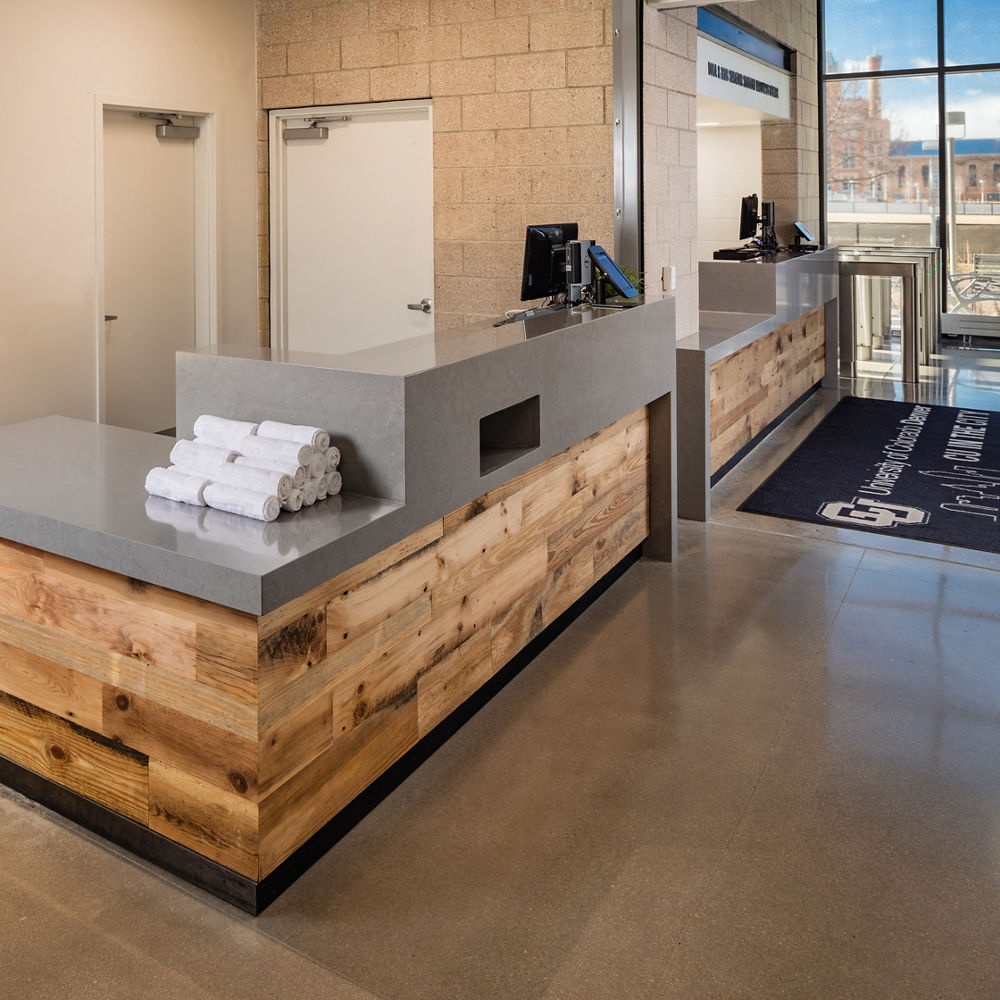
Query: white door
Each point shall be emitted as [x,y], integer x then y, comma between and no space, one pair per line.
[149,269]
[352,227]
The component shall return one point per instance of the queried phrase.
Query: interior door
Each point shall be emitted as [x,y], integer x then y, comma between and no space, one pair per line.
[149,269]
[352,226]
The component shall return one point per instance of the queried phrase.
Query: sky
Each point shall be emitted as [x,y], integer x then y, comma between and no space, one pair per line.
[904,33]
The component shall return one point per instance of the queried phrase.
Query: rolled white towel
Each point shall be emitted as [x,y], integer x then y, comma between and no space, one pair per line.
[289,452]
[317,467]
[335,483]
[309,493]
[294,501]
[297,473]
[332,458]
[174,484]
[316,436]
[248,503]
[222,431]
[194,456]
[321,486]
[253,478]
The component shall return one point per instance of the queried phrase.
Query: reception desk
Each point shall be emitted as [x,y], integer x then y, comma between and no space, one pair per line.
[221,695]
[768,332]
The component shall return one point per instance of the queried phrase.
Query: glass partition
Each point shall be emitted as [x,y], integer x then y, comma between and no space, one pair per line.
[969,32]
[882,176]
[869,35]
[973,158]
[912,140]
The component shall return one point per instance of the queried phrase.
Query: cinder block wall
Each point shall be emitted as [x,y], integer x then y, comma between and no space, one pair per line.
[789,157]
[522,119]
[670,158]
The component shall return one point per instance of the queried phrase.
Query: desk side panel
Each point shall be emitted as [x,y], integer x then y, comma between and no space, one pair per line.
[137,698]
[753,387]
[584,378]
[408,644]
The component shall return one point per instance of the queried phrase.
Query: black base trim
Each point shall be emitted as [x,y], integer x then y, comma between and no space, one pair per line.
[214,878]
[757,438]
[243,892]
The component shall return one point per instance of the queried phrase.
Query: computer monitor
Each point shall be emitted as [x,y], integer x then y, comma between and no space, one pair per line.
[802,235]
[748,217]
[544,272]
[606,266]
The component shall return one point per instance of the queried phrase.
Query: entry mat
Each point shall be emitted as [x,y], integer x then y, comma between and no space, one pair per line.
[903,469]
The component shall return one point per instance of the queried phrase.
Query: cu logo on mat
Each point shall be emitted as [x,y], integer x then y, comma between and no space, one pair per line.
[872,513]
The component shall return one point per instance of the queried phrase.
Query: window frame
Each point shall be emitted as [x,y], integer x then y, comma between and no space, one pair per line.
[941,72]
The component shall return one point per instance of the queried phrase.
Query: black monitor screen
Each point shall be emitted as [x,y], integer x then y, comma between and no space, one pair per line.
[748,217]
[544,271]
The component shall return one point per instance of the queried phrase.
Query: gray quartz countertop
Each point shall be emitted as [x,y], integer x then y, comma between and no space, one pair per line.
[76,489]
[407,418]
[426,352]
[726,331]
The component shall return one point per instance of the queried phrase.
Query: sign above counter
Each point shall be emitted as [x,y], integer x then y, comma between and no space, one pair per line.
[738,79]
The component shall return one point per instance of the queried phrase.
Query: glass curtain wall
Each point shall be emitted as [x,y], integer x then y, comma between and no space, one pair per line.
[911,90]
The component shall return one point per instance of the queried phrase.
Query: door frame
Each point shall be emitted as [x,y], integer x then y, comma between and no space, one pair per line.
[206,276]
[278,203]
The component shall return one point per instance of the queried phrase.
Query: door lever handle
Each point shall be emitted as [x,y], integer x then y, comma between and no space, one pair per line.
[107,317]
[424,306]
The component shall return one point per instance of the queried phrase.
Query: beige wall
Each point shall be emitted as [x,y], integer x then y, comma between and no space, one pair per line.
[522,119]
[729,167]
[790,157]
[789,162]
[55,56]
[522,95]
[670,158]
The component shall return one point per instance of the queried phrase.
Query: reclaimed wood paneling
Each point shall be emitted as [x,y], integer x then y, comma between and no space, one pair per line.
[74,757]
[240,736]
[409,644]
[218,824]
[754,386]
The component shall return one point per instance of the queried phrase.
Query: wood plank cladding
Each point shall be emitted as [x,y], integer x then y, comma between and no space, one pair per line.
[755,385]
[240,736]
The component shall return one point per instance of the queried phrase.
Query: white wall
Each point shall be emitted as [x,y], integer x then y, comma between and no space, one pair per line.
[55,57]
[729,167]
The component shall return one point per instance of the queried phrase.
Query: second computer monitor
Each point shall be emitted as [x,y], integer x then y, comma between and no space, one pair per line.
[544,272]
[748,217]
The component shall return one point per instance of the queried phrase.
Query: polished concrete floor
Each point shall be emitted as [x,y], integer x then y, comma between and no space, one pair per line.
[770,769]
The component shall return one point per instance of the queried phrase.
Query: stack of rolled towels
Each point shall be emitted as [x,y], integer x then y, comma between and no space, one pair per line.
[255,470]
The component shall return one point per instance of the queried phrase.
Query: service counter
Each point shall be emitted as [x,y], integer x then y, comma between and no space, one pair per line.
[767,338]
[217,694]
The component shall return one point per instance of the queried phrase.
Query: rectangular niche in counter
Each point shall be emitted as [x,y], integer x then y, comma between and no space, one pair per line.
[508,434]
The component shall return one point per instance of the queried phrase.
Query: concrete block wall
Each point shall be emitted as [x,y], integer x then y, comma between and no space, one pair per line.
[729,167]
[670,158]
[522,111]
[790,151]
[789,157]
